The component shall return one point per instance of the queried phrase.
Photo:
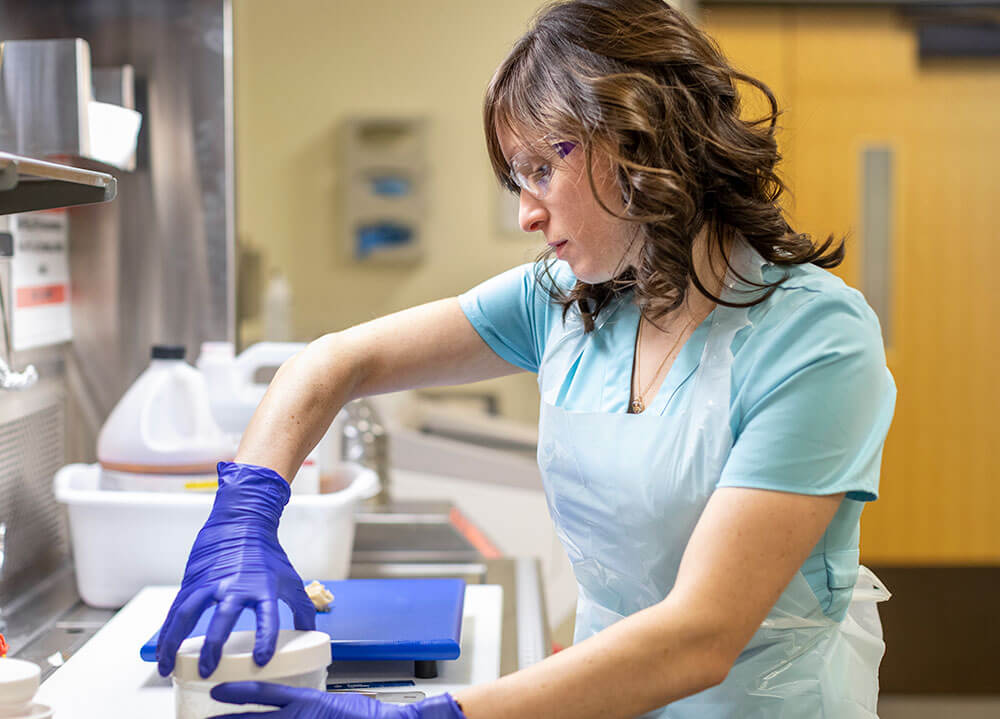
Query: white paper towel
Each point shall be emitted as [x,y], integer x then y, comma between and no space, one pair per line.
[114,131]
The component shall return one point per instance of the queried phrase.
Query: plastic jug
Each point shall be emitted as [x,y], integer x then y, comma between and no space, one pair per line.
[163,424]
[234,394]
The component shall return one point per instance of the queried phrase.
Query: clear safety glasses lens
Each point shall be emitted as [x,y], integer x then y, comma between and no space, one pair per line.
[533,173]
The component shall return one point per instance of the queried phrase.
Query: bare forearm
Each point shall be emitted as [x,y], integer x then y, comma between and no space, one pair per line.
[301,401]
[430,344]
[647,660]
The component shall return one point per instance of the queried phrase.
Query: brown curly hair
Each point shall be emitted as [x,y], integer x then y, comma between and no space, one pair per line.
[639,82]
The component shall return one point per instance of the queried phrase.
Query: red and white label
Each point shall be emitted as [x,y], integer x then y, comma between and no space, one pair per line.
[40,275]
[40,295]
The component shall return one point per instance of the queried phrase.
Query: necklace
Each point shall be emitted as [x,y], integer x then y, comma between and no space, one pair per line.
[638,405]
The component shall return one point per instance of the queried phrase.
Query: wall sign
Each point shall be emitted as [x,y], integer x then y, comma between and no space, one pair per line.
[40,279]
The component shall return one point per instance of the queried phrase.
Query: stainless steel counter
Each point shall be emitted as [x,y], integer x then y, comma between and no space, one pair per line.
[413,539]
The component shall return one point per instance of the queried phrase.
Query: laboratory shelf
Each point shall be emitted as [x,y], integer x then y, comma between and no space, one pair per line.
[27,184]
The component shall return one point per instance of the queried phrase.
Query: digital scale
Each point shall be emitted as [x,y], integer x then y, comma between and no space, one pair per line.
[372,620]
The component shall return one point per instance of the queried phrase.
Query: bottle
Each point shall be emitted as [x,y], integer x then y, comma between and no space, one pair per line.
[277,308]
[161,435]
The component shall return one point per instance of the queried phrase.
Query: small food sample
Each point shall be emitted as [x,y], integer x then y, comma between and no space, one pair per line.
[320,596]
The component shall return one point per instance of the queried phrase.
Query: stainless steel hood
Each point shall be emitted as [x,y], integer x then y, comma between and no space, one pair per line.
[154,266]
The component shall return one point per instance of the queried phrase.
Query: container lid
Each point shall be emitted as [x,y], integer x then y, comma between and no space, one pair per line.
[18,681]
[297,652]
[32,711]
[174,352]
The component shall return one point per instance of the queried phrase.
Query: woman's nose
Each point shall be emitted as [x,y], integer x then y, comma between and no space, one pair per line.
[531,214]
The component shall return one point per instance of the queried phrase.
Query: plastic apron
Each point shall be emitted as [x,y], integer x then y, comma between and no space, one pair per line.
[625,492]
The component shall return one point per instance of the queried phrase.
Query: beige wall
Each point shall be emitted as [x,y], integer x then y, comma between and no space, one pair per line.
[302,66]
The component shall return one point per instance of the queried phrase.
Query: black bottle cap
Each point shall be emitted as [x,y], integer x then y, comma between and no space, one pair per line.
[172,352]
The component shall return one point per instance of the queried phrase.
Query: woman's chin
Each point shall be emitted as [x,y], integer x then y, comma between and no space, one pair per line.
[589,274]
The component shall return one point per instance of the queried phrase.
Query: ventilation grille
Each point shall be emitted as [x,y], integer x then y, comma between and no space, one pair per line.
[31,450]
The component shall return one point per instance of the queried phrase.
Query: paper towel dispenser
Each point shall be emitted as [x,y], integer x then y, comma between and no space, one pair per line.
[48,110]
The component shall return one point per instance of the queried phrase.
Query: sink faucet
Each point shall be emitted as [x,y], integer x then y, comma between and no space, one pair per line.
[365,441]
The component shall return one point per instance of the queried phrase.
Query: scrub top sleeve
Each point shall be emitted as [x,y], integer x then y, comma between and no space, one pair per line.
[816,404]
[510,312]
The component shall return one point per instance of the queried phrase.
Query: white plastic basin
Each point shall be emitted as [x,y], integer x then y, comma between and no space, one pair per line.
[124,541]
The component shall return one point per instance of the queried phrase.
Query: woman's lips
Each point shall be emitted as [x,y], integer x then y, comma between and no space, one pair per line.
[558,247]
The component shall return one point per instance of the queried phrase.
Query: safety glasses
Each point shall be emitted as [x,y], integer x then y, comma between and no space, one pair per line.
[532,171]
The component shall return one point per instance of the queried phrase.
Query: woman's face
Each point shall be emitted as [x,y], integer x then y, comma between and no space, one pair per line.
[582,233]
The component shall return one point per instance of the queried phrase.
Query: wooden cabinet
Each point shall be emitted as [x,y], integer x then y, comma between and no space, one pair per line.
[850,79]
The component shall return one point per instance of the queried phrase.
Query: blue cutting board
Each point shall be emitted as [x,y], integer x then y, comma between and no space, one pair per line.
[374,620]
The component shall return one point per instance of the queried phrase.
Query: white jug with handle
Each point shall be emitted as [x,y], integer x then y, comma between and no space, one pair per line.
[162,429]
[234,393]
[233,390]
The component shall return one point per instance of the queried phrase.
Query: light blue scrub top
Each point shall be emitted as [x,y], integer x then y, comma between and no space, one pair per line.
[811,399]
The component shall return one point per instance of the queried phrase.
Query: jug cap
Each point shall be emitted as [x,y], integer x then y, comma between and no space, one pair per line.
[174,352]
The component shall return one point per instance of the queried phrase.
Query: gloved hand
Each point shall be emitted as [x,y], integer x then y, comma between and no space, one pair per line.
[297,703]
[236,561]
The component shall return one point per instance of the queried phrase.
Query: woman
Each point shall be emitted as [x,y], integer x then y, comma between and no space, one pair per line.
[714,403]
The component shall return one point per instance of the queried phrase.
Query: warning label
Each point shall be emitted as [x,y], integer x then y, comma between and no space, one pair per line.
[40,275]
[35,296]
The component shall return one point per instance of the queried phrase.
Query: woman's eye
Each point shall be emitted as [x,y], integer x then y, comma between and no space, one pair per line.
[541,172]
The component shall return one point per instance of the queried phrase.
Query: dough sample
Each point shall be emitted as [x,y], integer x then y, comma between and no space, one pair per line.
[320,596]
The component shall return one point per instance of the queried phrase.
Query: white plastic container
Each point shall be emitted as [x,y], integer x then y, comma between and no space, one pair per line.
[233,392]
[124,541]
[300,660]
[19,681]
[163,424]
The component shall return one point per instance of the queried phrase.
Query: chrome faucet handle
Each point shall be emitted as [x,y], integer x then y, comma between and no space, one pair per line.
[9,379]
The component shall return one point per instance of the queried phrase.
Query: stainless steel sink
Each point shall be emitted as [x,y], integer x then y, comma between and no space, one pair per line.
[413,539]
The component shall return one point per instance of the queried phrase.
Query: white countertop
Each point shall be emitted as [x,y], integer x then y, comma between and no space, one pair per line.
[106,679]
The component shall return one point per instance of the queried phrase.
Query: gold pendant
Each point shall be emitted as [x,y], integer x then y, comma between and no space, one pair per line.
[637,406]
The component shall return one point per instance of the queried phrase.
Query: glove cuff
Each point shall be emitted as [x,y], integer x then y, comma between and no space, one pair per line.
[252,489]
[442,706]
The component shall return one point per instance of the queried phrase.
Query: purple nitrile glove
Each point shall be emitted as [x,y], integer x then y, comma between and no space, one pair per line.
[237,562]
[297,703]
